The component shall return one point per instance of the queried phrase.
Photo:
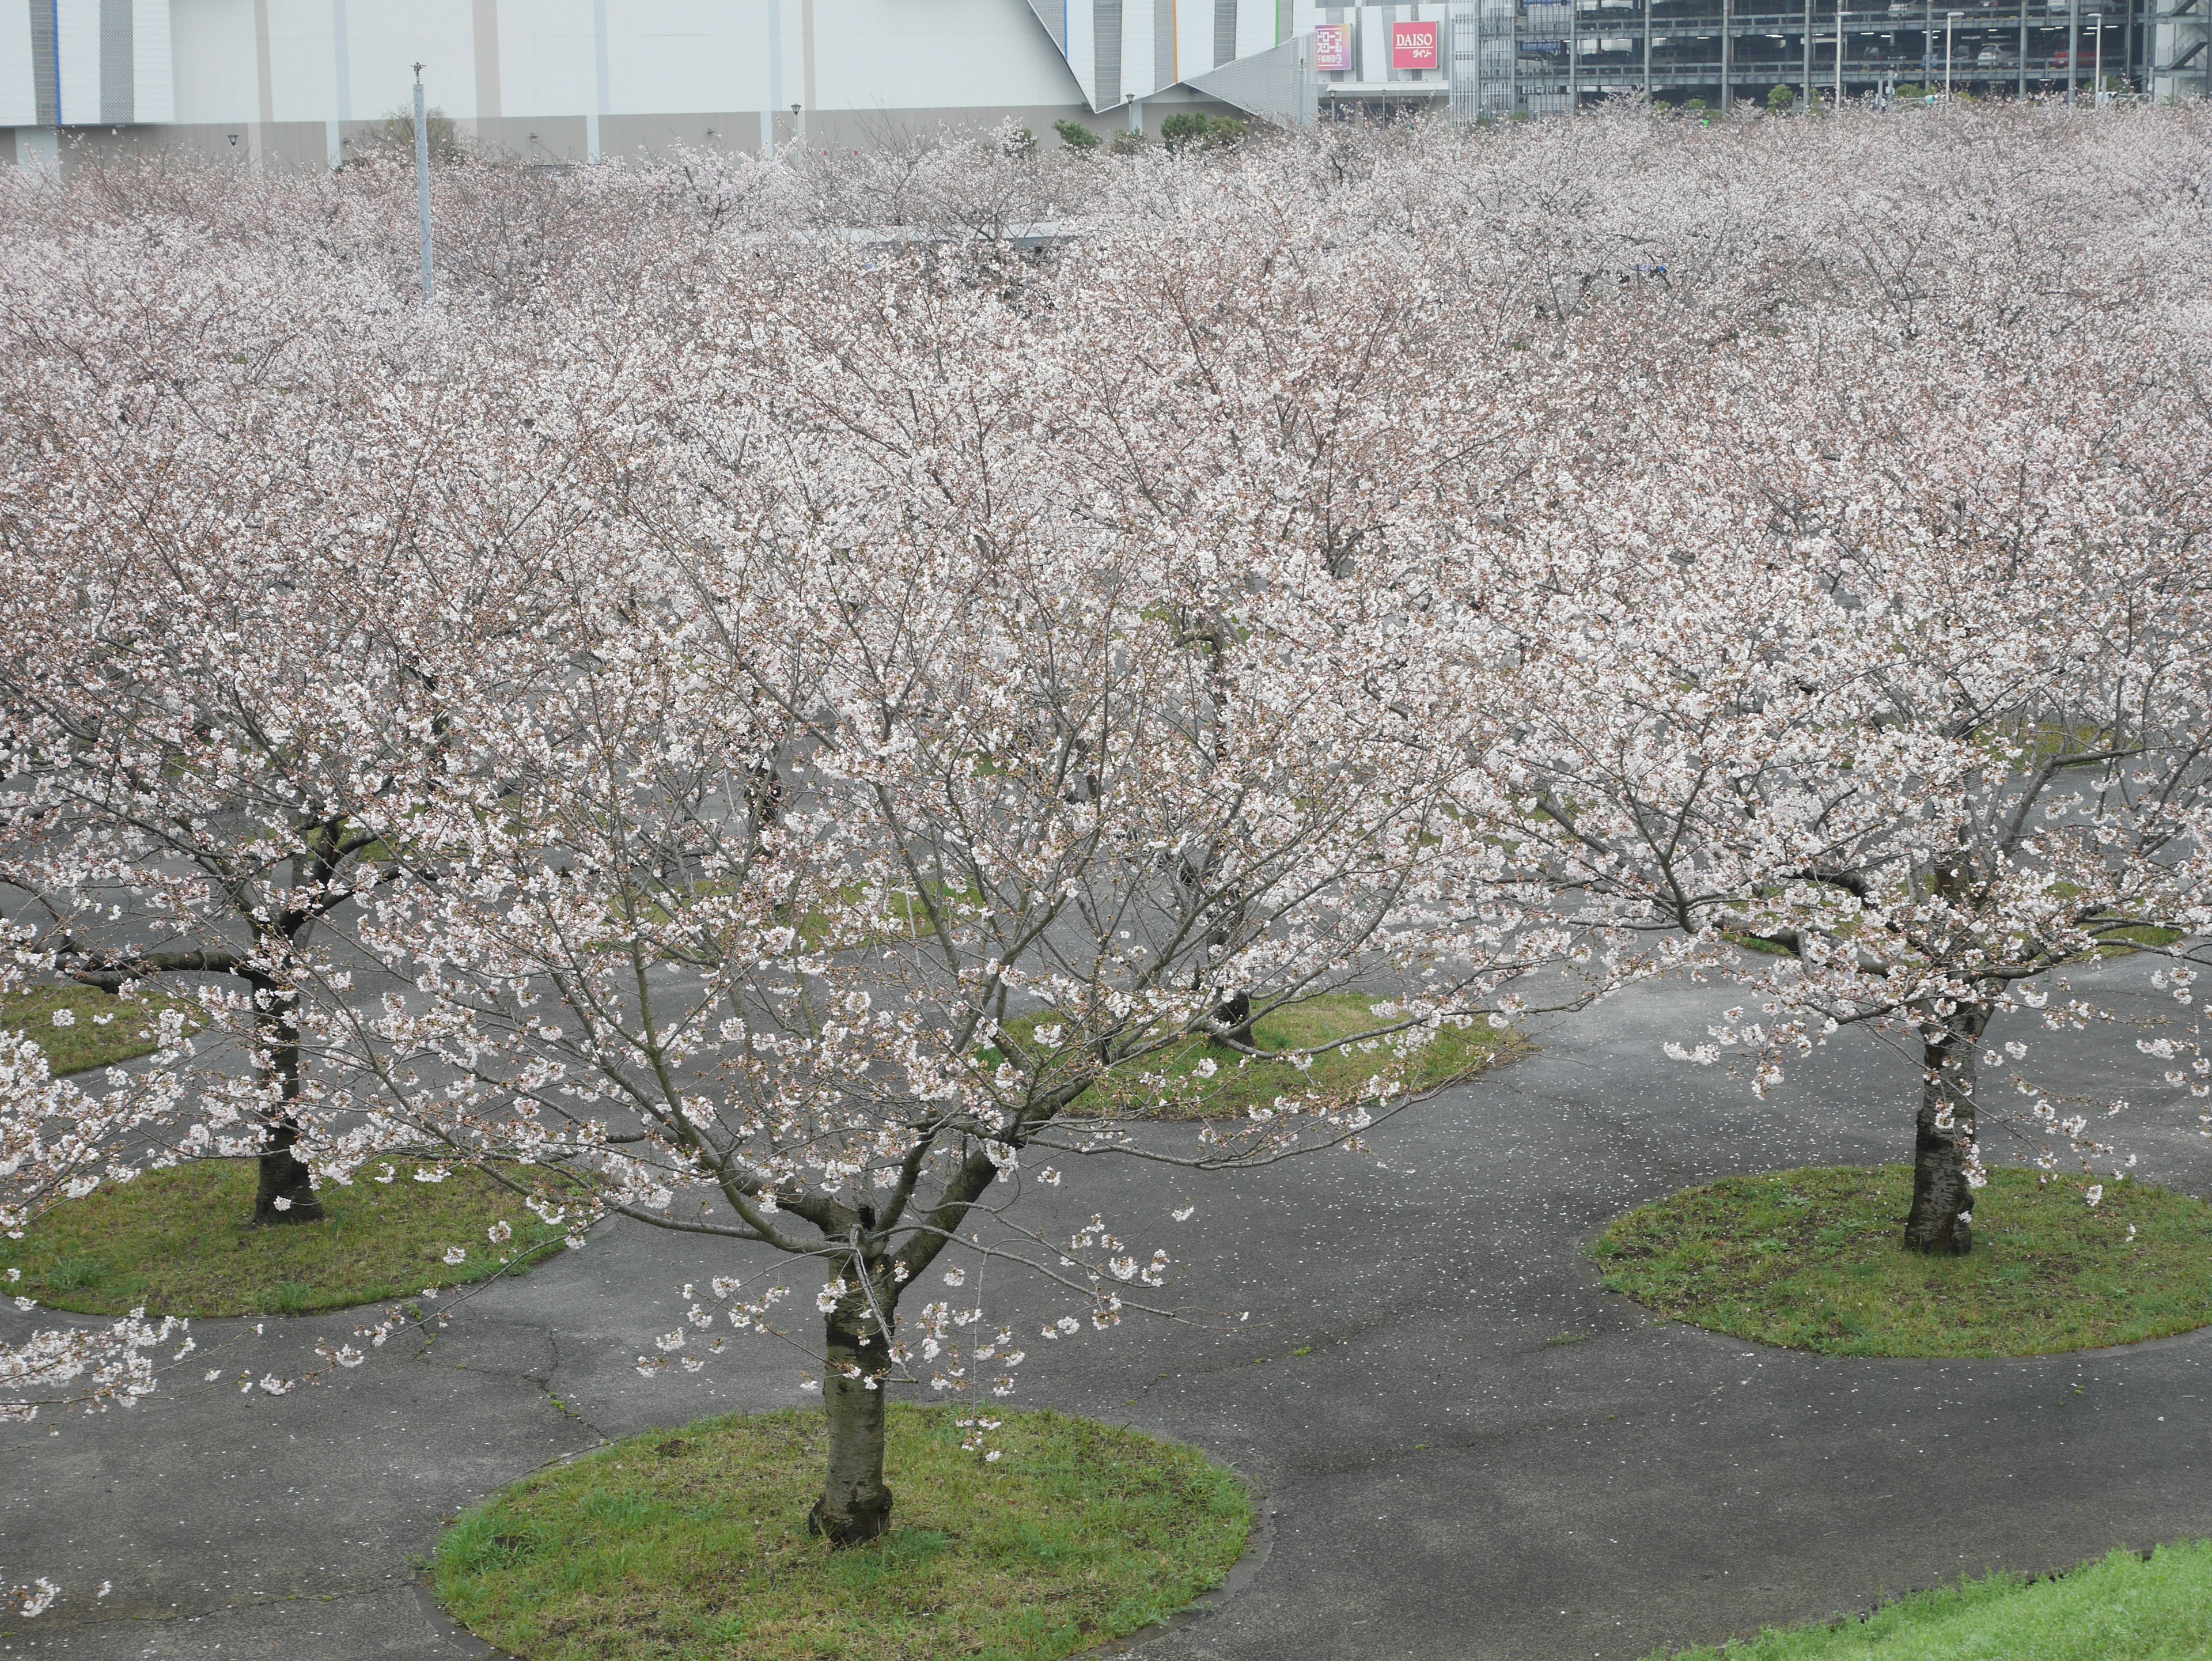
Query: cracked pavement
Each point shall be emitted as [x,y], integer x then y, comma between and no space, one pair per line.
[1468,1449]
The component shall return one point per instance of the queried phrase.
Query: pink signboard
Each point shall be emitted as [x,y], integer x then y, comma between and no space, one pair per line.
[1412,46]
[1331,46]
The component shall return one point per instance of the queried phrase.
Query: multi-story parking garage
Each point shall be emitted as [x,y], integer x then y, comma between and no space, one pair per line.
[287,82]
[1542,56]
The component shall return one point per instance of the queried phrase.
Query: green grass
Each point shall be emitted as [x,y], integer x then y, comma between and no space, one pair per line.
[2122,941]
[1810,1259]
[2121,1607]
[1759,943]
[693,1543]
[903,917]
[100,1028]
[1240,1083]
[180,1242]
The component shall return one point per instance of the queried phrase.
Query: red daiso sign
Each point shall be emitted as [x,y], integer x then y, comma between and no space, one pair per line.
[1412,46]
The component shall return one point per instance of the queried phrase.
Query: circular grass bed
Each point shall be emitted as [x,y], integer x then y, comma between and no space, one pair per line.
[181,1242]
[1210,1081]
[80,1027]
[694,1543]
[1810,1260]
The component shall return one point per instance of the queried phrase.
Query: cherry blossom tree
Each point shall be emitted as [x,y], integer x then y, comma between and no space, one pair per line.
[792,736]
[1910,692]
[245,585]
[910,813]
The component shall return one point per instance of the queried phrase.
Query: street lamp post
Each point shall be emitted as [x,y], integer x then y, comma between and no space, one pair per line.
[2072,47]
[2097,75]
[1839,54]
[423,181]
[1950,22]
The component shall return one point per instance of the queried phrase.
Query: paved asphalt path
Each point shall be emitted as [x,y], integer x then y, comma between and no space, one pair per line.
[1478,1454]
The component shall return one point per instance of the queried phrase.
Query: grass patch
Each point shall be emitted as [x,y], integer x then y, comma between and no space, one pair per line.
[1809,1259]
[693,1543]
[180,1242]
[2122,941]
[96,1028]
[1239,1083]
[2121,1607]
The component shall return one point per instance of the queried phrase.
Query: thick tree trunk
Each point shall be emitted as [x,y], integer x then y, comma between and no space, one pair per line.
[283,1177]
[1942,1202]
[1234,1012]
[855,1507]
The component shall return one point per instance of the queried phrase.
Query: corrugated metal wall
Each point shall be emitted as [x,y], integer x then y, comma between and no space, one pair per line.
[1106,30]
[85,62]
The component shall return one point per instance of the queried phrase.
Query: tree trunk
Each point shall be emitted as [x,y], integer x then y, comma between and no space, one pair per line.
[1942,1202]
[283,1176]
[855,1507]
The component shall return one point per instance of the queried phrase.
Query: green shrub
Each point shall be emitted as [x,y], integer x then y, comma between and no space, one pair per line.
[1187,127]
[1075,136]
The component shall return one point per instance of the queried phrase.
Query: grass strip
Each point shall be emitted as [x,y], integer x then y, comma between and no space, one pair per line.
[2121,1607]
[1810,1259]
[693,1543]
[80,1027]
[181,1242]
[1238,1084]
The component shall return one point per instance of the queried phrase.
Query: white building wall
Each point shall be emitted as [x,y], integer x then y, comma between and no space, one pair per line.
[1082,48]
[302,47]
[19,87]
[896,54]
[545,58]
[212,41]
[667,57]
[153,68]
[1255,27]
[1193,36]
[1140,48]
[385,38]
[77,43]
[290,78]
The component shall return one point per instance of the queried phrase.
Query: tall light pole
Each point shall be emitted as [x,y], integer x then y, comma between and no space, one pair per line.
[2072,46]
[1839,54]
[1727,56]
[1950,22]
[1808,53]
[2097,77]
[423,179]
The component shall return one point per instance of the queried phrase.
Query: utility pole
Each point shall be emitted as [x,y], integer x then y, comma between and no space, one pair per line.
[1950,22]
[1574,62]
[1728,55]
[1839,54]
[1808,54]
[2072,47]
[2097,76]
[422,180]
